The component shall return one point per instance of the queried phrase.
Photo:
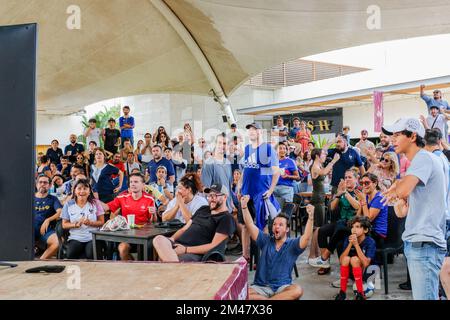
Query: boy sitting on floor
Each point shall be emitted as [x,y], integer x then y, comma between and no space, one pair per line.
[359,252]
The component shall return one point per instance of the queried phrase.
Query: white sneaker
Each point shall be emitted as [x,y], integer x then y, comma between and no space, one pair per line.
[337,283]
[319,263]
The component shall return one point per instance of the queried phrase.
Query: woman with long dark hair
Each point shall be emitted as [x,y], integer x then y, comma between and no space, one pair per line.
[371,206]
[187,200]
[81,215]
[157,136]
[318,174]
[101,174]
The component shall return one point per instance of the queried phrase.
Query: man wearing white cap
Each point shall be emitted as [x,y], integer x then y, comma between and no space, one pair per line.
[420,197]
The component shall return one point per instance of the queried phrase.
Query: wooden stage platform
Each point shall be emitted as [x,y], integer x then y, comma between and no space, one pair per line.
[127,281]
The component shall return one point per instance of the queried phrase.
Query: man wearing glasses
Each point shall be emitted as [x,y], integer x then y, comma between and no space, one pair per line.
[210,226]
[47,209]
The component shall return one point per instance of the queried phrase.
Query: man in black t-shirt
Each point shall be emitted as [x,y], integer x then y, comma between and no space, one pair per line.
[111,137]
[209,227]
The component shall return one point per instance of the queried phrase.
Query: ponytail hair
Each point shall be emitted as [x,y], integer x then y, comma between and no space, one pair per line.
[192,181]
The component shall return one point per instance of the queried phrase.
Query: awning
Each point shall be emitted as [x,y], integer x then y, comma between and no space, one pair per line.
[131,47]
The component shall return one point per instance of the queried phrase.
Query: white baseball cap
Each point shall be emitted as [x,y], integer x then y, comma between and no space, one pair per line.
[410,124]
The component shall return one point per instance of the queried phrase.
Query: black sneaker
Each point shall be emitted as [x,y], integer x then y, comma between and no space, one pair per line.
[359,296]
[405,286]
[340,296]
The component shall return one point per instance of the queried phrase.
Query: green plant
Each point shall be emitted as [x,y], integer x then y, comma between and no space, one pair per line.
[102,118]
[320,142]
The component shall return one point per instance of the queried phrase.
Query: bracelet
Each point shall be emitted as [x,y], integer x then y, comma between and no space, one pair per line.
[244,208]
[185,250]
[364,204]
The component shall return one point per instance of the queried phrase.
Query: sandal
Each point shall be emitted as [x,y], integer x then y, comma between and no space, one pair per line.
[323,271]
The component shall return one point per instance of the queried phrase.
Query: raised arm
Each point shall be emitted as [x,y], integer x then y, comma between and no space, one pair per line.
[317,171]
[252,229]
[304,240]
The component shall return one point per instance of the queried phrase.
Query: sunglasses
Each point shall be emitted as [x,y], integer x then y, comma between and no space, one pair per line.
[365,183]
[387,160]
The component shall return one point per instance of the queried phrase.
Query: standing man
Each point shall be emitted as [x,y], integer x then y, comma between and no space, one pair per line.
[126,123]
[73,148]
[111,137]
[420,196]
[54,153]
[159,160]
[259,179]
[92,133]
[217,169]
[280,130]
[295,128]
[349,158]
[435,101]
[284,191]
[47,208]
[365,144]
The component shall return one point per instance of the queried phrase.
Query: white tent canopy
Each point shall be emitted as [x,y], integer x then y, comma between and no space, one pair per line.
[131,47]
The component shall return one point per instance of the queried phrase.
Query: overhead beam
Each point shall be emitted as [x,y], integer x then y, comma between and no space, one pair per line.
[199,56]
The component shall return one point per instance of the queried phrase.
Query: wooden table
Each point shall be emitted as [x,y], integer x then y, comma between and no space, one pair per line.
[140,236]
[125,281]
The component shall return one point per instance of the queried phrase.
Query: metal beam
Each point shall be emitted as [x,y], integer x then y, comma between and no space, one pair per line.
[200,57]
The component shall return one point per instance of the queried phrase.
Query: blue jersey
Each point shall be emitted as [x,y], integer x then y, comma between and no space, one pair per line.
[126,133]
[153,167]
[257,169]
[289,166]
[45,208]
[368,247]
[380,223]
[348,159]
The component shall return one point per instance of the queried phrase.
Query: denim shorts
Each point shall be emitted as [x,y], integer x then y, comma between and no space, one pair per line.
[43,238]
[267,291]
[284,192]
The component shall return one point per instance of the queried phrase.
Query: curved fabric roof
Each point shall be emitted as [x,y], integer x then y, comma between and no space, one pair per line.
[127,47]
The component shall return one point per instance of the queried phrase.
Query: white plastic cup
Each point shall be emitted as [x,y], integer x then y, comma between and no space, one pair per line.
[131,218]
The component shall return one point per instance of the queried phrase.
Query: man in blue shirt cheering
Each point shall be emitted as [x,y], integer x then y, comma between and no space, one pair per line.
[273,278]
